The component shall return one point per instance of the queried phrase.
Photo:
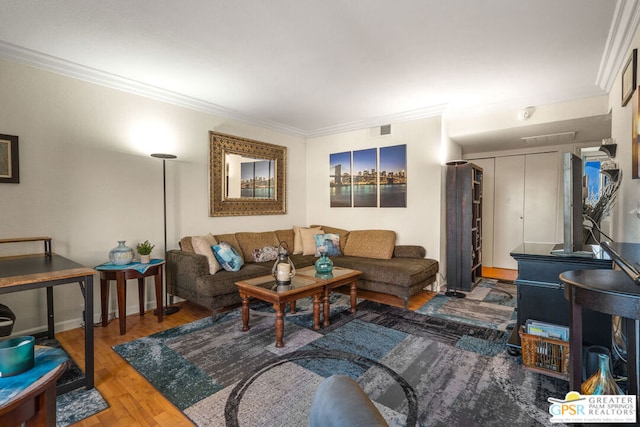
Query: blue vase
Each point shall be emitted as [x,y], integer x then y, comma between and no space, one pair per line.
[324,264]
[121,254]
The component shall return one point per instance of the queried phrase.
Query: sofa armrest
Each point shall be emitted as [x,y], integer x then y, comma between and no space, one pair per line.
[185,266]
[409,251]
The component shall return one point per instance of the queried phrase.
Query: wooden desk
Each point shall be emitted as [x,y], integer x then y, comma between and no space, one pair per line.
[121,275]
[30,397]
[37,271]
[606,291]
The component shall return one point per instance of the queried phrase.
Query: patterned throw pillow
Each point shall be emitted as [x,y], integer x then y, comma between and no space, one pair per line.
[268,253]
[227,256]
[329,243]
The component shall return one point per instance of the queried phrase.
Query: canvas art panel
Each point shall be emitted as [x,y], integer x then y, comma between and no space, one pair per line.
[365,178]
[340,179]
[393,176]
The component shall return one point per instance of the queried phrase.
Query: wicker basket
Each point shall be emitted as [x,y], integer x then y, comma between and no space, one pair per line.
[545,355]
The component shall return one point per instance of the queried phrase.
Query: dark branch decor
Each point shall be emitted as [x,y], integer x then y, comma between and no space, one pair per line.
[9,162]
[597,211]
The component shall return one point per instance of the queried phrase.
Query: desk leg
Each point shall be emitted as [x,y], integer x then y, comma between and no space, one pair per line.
[141,295]
[121,285]
[633,367]
[50,319]
[88,331]
[158,283]
[104,298]
[575,342]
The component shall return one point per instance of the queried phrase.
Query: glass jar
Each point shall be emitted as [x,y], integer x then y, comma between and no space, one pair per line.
[324,264]
[121,254]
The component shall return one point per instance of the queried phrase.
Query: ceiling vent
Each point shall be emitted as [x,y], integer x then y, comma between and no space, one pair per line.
[379,131]
[552,138]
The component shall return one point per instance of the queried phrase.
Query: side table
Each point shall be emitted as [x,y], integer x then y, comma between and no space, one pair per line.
[121,274]
[607,291]
[29,398]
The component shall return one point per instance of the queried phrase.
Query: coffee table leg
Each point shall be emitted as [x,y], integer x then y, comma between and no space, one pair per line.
[292,307]
[279,308]
[245,312]
[316,311]
[354,295]
[327,307]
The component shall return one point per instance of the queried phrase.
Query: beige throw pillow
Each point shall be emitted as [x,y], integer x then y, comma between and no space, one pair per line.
[202,245]
[298,247]
[308,240]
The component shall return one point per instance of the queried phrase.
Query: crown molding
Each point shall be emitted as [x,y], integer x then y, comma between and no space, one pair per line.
[422,113]
[56,65]
[624,25]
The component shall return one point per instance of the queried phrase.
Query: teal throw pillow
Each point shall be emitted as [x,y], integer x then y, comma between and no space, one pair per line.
[329,243]
[227,257]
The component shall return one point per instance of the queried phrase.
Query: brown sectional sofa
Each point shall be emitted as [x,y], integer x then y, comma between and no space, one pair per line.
[400,270]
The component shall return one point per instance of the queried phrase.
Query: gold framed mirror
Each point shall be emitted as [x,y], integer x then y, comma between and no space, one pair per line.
[247,177]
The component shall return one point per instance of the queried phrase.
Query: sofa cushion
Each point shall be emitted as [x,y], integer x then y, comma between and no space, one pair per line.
[250,241]
[376,244]
[344,234]
[328,243]
[228,257]
[224,282]
[203,245]
[403,272]
[186,245]
[287,237]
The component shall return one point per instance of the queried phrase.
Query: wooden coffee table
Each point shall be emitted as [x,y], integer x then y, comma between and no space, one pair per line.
[303,284]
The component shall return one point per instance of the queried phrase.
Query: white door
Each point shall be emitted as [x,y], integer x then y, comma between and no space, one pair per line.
[541,197]
[508,209]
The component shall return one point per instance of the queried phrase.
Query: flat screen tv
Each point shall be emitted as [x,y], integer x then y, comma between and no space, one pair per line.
[573,199]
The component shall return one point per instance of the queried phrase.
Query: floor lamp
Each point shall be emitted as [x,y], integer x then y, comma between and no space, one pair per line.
[167,309]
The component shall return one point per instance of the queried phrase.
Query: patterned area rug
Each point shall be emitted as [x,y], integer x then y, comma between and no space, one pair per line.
[461,374]
[78,404]
[491,304]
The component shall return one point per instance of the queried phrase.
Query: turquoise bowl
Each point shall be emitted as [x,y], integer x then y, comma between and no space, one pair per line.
[16,355]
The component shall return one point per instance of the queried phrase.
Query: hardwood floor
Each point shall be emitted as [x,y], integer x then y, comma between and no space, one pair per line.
[135,402]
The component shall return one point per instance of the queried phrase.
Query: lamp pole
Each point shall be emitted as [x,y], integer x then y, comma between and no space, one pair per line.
[164,157]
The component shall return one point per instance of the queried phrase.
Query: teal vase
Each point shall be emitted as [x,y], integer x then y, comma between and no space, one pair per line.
[324,264]
[121,254]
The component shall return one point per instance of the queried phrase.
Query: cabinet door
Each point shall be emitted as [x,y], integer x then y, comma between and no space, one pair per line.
[541,198]
[508,212]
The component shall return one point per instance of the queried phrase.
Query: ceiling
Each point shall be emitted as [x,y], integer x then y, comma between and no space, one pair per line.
[316,67]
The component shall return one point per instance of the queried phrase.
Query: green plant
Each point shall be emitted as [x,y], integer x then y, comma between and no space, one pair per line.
[145,248]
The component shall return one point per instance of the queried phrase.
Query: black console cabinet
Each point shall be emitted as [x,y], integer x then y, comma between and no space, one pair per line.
[541,292]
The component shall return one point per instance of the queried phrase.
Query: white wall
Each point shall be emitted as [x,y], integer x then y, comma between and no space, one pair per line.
[87,180]
[626,226]
[419,222]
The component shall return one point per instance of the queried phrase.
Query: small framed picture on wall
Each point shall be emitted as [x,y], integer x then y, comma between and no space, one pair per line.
[9,161]
[629,77]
